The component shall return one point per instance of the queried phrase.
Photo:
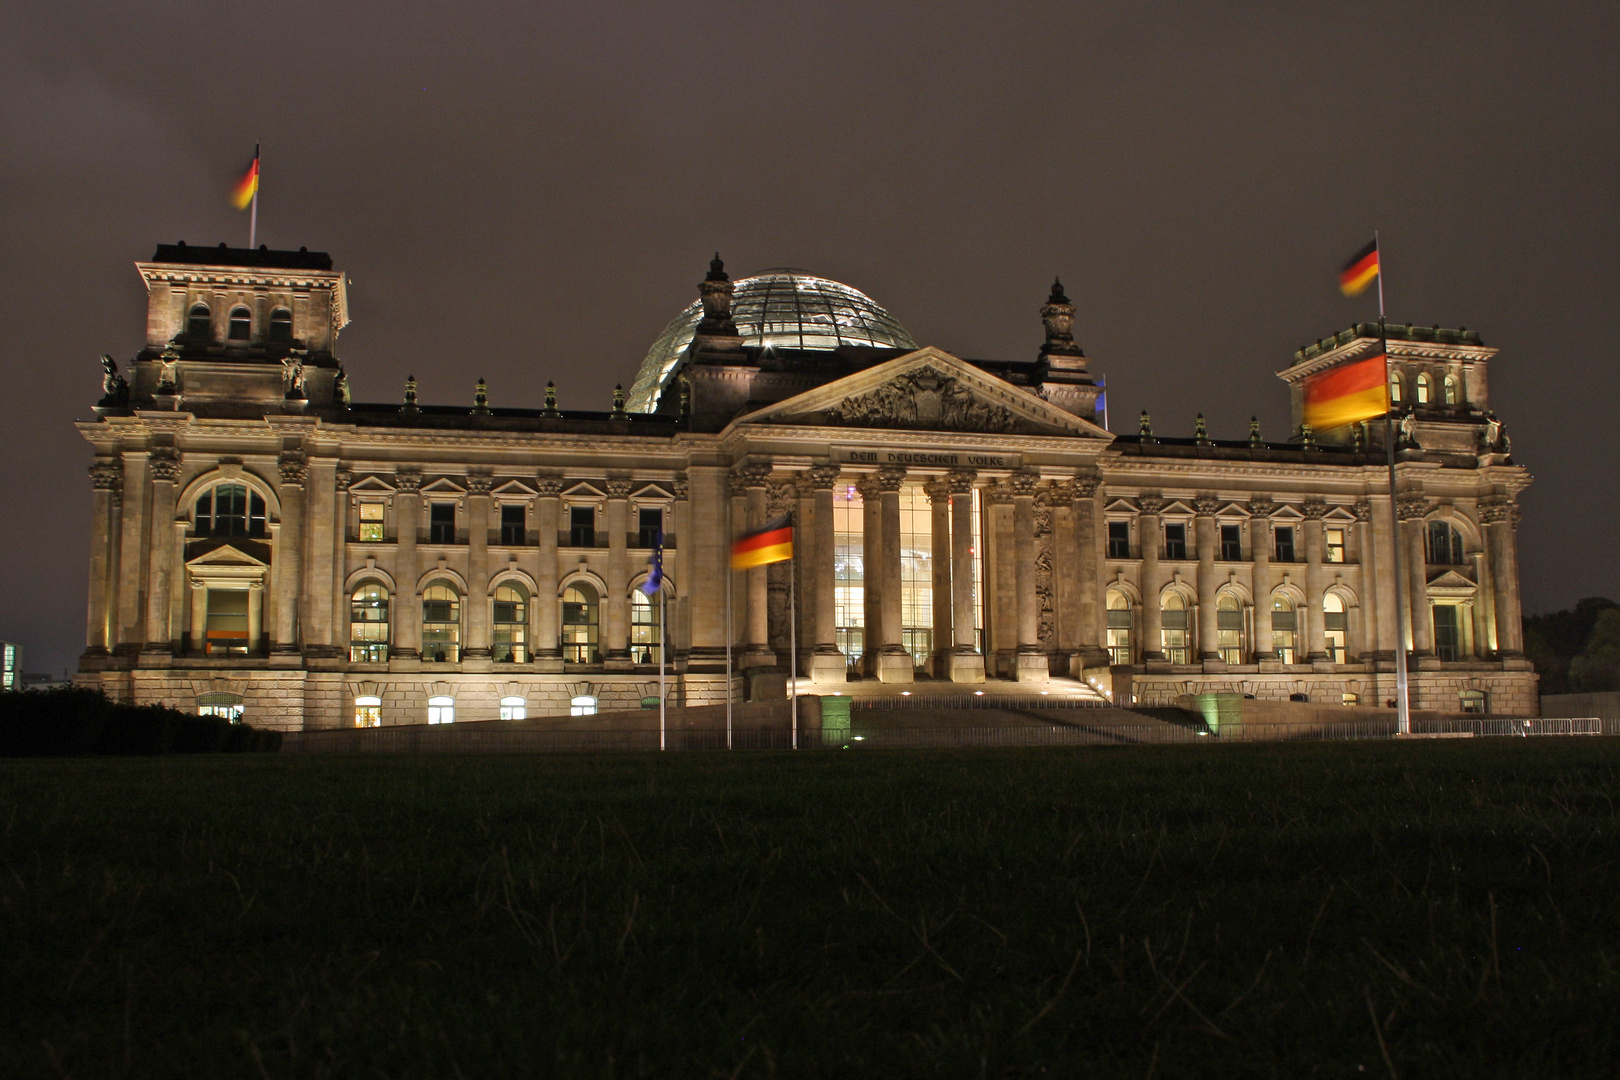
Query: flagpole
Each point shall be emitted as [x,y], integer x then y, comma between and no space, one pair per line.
[730,573]
[1403,711]
[253,214]
[793,645]
[663,645]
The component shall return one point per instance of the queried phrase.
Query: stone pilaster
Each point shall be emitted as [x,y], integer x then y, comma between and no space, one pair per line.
[1315,625]
[1501,516]
[1002,585]
[165,469]
[1151,532]
[106,480]
[198,644]
[407,610]
[871,579]
[1367,556]
[336,555]
[293,468]
[1085,510]
[967,663]
[679,597]
[710,536]
[1205,535]
[1413,510]
[616,604]
[1260,510]
[752,477]
[547,606]
[134,535]
[894,663]
[827,663]
[477,601]
[939,521]
[317,629]
[1031,663]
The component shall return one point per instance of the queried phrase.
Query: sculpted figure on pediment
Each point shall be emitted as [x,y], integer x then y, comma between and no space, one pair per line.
[925,398]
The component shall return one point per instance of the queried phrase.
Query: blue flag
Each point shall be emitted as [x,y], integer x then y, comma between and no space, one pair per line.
[655,567]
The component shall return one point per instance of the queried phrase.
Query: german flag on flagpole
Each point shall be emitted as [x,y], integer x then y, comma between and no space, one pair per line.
[1348,393]
[248,186]
[1360,271]
[773,543]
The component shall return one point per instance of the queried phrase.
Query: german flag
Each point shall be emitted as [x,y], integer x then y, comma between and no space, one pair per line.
[248,186]
[1359,272]
[1346,394]
[773,543]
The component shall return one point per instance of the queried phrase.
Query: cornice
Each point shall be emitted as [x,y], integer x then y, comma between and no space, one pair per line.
[239,277]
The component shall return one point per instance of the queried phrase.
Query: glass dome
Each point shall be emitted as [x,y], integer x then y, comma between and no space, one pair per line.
[783,309]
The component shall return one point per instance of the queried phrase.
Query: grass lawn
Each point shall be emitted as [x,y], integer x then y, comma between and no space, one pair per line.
[1424,910]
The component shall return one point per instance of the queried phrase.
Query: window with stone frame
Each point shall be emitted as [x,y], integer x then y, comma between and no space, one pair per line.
[1443,544]
[281,327]
[441,624]
[1232,543]
[644,629]
[1119,539]
[199,323]
[1175,540]
[1284,623]
[230,509]
[441,710]
[371,522]
[1474,702]
[1448,631]
[1229,628]
[510,643]
[1448,390]
[368,624]
[1333,545]
[1421,389]
[514,708]
[514,524]
[1284,539]
[582,526]
[1175,628]
[367,711]
[1119,627]
[581,624]
[241,325]
[1336,628]
[649,526]
[442,523]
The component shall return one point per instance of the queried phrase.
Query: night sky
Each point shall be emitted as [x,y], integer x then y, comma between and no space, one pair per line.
[529,191]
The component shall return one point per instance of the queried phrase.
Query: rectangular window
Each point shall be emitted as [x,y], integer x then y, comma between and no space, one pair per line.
[581,526]
[1448,642]
[1285,543]
[1473,701]
[1335,545]
[916,575]
[1175,541]
[1336,627]
[1119,635]
[1174,631]
[1229,634]
[649,524]
[1232,543]
[442,523]
[1283,624]
[371,522]
[849,573]
[227,630]
[1119,539]
[514,524]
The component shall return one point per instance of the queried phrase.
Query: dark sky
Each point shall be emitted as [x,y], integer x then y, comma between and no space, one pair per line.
[529,191]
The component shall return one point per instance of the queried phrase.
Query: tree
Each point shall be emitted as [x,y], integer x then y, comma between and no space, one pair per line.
[1552,641]
[1597,668]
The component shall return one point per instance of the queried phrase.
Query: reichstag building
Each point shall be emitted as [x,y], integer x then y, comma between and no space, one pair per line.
[264,547]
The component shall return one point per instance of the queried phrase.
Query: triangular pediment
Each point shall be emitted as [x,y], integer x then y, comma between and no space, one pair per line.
[443,486]
[515,489]
[235,551]
[584,489]
[927,390]
[372,485]
[1451,583]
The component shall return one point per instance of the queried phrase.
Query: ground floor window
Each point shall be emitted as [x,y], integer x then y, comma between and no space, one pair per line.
[1119,628]
[511,626]
[1284,622]
[228,706]
[1229,628]
[227,622]
[368,712]
[1174,628]
[1351,699]
[1472,701]
[581,624]
[1448,642]
[441,710]
[1335,627]
[514,708]
[583,705]
[644,632]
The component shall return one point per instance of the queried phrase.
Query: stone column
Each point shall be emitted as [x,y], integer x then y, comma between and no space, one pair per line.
[1151,533]
[1001,589]
[547,608]
[1204,537]
[616,605]
[967,663]
[478,612]
[894,662]
[407,606]
[1260,510]
[318,629]
[1031,663]
[679,615]
[255,618]
[871,579]
[198,645]
[294,469]
[1315,623]
[165,466]
[1413,511]
[751,477]
[106,479]
[939,520]
[134,535]
[827,664]
[337,558]
[708,559]
[1367,557]
[1083,507]
[1500,517]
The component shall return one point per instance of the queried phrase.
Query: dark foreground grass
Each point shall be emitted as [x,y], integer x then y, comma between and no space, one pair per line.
[1442,909]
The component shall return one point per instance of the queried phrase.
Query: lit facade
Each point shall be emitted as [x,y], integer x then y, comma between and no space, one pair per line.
[260,543]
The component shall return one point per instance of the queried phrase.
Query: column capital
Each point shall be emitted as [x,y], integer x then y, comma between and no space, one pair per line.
[294,467]
[1262,506]
[961,481]
[1314,509]
[998,494]
[819,477]
[1206,505]
[408,480]
[1150,503]
[1412,507]
[479,483]
[681,486]
[165,463]
[890,477]
[548,487]
[342,479]
[1084,485]
[750,474]
[938,491]
[1023,483]
[1362,510]
[618,487]
[106,475]
[1497,509]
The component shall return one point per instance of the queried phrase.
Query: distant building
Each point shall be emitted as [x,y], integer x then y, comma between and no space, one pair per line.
[264,546]
[10,666]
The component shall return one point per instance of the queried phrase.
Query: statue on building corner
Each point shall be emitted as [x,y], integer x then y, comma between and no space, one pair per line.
[340,388]
[1408,429]
[114,388]
[618,400]
[1494,436]
[169,370]
[292,378]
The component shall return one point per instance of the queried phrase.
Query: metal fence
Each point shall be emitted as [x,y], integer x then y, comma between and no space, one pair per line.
[472,740]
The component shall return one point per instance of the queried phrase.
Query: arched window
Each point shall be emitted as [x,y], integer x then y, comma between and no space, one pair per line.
[230,510]
[281,327]
[1445,546]
[221,704]
[514,708]
[368,624]
[1421,392]
[511,642]
[1174,627]
[1448,390]
[583,705]
[1284,622]
[1395,395]
[1336,627]
[581,625]
[1229,628]
[1119,627]
[241,324]
[441,624]
[199,323]
[644,638]
[368,711]
[441,710]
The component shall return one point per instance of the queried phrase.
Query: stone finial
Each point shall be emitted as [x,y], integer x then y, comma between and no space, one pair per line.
[618,399]
[1200,431]
[1307,437]
[410,396]
[1145,432]
[1058,315]
[1254,431]
[481,398]
[716,291]
[551,399]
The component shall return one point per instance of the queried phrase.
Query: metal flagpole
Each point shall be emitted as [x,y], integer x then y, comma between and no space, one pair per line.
[730,573]
[253,214]
[1403,712]
[662,649]
[793,644]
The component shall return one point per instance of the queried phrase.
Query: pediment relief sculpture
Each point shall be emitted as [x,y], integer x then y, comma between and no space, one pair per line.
[929,399]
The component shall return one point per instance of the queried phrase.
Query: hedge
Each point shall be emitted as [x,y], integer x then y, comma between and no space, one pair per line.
[74,720]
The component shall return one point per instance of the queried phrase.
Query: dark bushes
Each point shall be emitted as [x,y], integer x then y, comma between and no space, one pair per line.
[80,721]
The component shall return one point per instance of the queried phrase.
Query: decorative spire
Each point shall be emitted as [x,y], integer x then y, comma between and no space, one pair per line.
[481,399]
[1058,315]
[1254,431]
[1145,433]
[715,291]
[618,390]
[551,399]
[410,396]
[1200,431]
[1307,437]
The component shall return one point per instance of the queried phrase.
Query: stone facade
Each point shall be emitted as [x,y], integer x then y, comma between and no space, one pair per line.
[258,538]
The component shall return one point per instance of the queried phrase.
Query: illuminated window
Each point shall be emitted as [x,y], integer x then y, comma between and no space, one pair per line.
[644,637]
[1448,390]
[225,705]
[371,522]
[1351,699]
[1119,627]
[1229,628]
[1284,622]
[227,630]
[368,712]
[1395,395]
[1444,544]
[916,575]
[441,710]
[849,572]
[1173,628]
[1335,545]
[199,323]
[1336,627]
[241,324]
[368,624]
[583,705]
[1448,631]
[441,624]
[511,625]
[581,624]
[230,510]
[281,327]
[1422,389]
[1472,701]
[514,708]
